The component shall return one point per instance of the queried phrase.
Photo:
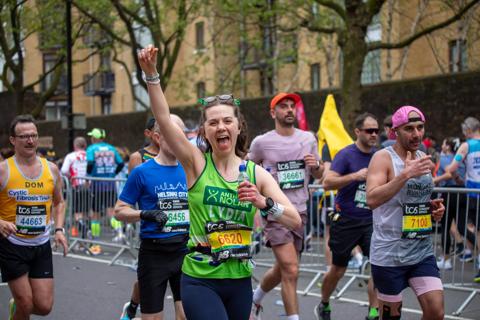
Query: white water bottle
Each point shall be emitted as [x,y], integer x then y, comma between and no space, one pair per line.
[242,175]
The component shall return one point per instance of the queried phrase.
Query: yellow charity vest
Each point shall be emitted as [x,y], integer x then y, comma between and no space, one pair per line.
[27,203]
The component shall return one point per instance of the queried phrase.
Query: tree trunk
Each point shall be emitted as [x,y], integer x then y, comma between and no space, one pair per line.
[354,52]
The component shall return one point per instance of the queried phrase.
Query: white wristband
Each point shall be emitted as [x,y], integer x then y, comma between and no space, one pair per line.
[276,211]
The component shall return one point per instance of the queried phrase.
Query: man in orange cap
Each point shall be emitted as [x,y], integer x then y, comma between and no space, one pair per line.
[291,156]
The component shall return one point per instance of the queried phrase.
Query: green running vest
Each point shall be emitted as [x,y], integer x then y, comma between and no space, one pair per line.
[212,199]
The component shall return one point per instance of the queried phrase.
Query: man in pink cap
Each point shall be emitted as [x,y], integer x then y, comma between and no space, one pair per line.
[291,156]
[399,189]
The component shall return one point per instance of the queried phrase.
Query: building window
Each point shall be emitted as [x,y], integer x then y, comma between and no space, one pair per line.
[49,62]
[106,104]
[54,110]
[458,55]
[371,68]
[315,76]
[201,92]
[199,35]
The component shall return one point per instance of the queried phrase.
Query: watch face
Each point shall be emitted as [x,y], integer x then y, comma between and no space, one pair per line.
[270,203]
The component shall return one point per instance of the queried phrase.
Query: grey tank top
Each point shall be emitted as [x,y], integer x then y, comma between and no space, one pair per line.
[387,247]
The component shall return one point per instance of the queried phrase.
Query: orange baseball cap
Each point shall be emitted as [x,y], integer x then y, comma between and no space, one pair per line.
[283,95]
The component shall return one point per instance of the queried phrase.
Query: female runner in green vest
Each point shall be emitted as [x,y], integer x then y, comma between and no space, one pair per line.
[216,281]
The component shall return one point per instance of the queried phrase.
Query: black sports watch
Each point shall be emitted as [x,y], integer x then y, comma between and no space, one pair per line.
[60,229]
[270,203]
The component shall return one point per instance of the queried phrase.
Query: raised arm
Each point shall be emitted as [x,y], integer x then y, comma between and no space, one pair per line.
[453,166]
[190,156]
[267,187]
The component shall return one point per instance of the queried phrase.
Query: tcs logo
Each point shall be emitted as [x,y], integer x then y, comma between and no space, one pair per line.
[23,210]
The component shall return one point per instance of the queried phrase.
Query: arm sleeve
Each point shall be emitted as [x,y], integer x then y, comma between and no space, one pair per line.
[119,167]
[133,188]
[90,165]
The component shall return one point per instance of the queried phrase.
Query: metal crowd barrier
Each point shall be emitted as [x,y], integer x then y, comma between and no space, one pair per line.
[89,212]
[312,263]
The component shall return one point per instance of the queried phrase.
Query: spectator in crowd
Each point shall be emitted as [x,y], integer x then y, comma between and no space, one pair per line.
[103,161]
[145,153]
[74,167]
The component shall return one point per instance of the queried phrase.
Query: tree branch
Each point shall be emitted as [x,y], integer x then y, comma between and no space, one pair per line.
[335,6]
[406,42]
[102,25]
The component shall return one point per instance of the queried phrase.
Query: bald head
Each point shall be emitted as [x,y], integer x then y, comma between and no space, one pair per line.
[79,143]
[175,119]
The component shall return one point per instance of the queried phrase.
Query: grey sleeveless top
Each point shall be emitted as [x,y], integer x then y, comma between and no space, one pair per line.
[388,248]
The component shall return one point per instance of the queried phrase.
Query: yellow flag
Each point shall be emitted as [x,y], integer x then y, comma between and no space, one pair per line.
[331,130]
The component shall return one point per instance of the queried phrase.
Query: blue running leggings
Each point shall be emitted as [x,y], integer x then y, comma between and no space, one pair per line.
[219,299]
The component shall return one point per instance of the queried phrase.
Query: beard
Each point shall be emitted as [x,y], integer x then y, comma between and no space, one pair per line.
[287,121]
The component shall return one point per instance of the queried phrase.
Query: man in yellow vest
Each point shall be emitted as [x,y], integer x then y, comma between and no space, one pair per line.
[31,203]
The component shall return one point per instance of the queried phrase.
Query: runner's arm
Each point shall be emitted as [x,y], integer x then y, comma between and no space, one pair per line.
[334,181]
[125,212]
[135,160]
[268,187]
[58,209]
[379,189]
[6,228]
[189,155]
[453,166]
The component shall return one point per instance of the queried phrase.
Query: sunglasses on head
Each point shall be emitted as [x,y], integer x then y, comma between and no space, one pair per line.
[371,130]
[224,98]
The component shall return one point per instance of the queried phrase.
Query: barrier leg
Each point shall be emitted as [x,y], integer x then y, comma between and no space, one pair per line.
[464,304]
[345,287]
[312,283]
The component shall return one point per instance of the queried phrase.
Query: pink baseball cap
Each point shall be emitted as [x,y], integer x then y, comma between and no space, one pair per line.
[400,117]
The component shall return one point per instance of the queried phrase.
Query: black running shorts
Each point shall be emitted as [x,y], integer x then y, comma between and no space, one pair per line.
[345,234]
[155,268]
[15,261]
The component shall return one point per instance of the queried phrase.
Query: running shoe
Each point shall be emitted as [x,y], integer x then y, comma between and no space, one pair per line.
[120,238]
[354,264]
[95,250]
[256,312]
[466,257]
[124,315]
[372,314]
[322,312]
[11,308]
[444,264]
[477,277]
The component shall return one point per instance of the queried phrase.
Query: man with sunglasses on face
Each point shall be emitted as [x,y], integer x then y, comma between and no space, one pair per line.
[399,191]
[351,224]
[291,156]
[30,199]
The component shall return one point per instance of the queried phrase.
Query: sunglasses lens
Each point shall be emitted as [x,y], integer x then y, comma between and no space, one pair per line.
[225,97]
[371,131]
[210,99]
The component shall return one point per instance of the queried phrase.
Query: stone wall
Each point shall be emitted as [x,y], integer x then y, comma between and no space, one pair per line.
[446,101]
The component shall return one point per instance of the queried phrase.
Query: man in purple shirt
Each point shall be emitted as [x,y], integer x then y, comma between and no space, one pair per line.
[352,222]
[291,156]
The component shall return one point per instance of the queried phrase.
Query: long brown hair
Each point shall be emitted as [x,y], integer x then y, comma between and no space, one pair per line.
[241,147]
